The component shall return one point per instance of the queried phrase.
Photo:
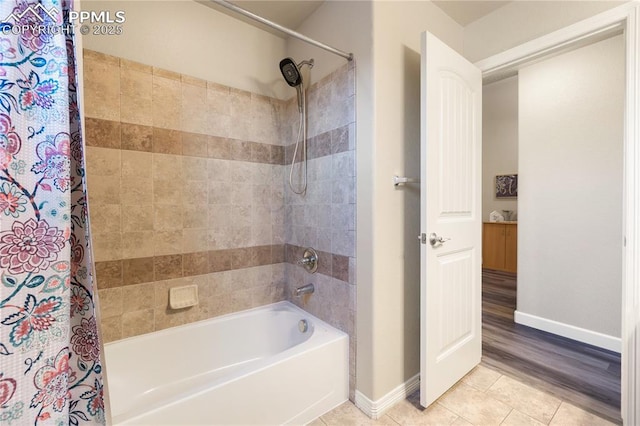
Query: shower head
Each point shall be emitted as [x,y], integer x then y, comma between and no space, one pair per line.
[290,72]
[293,77]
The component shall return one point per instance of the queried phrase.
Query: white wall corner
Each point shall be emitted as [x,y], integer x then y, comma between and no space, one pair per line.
[376,409]
[589,337]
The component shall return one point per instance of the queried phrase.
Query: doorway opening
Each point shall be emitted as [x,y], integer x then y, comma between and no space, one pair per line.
[561,172]
[623,18]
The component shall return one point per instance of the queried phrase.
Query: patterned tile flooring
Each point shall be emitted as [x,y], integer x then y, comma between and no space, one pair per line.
[483,397]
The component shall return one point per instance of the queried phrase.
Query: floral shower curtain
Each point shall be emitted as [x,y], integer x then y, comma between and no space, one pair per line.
[50,369]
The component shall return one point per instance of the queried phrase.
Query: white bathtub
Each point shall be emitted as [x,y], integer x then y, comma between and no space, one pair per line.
[252,368]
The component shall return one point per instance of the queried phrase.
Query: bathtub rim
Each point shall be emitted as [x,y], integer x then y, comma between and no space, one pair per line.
[226,317]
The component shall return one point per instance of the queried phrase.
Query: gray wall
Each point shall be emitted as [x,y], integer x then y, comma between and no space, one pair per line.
[570,188]
[499,141]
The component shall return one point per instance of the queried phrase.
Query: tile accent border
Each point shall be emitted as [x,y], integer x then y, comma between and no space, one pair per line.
[126,272]
[136,137]
[329,264]
[330,142]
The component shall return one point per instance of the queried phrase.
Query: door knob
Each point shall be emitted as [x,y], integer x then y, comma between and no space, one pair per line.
[434,239]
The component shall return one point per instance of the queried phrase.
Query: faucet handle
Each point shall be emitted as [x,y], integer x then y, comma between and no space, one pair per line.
[309,260]
[306,260]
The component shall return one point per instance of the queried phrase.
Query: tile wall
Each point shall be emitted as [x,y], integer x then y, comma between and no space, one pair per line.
[188,184]
[324,218]
[185,187]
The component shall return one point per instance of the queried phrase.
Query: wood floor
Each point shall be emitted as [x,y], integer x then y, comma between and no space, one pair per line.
[583,375]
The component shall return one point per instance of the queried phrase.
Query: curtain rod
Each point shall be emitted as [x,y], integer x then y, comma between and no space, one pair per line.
[237,9]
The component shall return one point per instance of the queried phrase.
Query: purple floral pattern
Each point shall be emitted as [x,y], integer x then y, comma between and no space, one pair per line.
[10,142]
[30,246]
[85,340]
[54,161]
[50,367]
[31,39]
[34,92]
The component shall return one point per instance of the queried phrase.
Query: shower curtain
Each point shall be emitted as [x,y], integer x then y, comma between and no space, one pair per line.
[50,369]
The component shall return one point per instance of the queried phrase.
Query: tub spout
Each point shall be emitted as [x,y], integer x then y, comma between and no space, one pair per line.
[305,289]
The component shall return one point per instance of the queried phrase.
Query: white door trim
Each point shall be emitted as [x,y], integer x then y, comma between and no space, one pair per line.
[627,17]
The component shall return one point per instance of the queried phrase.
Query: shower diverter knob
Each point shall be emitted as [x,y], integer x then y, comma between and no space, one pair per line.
[309,260]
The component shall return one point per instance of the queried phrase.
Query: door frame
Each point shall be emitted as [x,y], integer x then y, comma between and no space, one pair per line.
[625,17]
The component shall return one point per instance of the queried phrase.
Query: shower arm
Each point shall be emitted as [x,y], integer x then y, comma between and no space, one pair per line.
[308,62]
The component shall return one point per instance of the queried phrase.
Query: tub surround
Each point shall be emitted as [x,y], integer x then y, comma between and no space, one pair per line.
[325,218]
[188,185]
[185,188]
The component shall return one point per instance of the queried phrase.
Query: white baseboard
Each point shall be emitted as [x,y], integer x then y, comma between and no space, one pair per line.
[572,332]
[376,409]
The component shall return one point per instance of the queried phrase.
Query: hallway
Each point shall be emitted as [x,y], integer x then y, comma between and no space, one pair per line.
[584,375]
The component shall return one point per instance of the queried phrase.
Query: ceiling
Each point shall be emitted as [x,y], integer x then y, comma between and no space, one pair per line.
[465,12]
[288,13]
[292,13]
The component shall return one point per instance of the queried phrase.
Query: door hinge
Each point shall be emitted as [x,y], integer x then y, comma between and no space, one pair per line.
[422,238]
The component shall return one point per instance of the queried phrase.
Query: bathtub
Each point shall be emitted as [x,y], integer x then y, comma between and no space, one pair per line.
[254,367]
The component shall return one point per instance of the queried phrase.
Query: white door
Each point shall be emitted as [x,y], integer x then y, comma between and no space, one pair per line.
[451,144]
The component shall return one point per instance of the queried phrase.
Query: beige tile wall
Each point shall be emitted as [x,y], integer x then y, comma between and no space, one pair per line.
[324,218]
[188,185]
[178,195]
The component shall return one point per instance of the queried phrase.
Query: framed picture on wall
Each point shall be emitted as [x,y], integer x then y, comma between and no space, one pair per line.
[506,186]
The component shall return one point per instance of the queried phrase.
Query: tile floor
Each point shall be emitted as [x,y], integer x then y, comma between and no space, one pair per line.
[483,397]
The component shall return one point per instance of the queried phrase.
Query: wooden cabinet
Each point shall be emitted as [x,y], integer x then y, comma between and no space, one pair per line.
[493,246]
[500,246]
[511,248]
